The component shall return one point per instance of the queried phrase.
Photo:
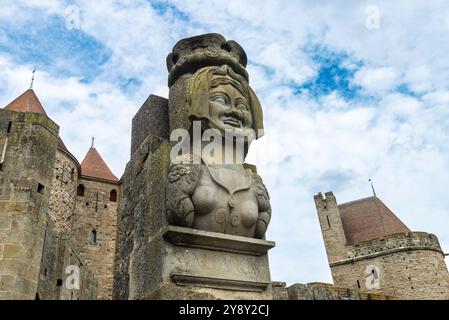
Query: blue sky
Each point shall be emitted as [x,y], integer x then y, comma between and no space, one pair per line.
[343,101]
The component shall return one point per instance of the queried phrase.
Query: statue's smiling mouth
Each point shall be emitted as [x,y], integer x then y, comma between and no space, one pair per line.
[232,121]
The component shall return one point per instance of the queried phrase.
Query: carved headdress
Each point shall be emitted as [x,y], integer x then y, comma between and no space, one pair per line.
[200,83]
[210,59]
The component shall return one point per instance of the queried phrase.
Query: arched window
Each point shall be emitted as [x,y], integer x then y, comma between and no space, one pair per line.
[80,190]
[93,236]
[113,196]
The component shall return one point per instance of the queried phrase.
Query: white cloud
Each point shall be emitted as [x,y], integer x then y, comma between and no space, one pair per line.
[376,80]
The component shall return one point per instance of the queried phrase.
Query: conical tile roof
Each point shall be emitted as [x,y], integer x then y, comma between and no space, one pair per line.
[93,166]
[369,218]
[26,102]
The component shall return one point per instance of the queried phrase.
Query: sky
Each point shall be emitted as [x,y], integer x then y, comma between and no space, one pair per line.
[351,91]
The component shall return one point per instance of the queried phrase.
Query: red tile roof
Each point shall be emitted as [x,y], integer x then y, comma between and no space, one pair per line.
[26,102]
[369,218]
[93,166]
[61,144]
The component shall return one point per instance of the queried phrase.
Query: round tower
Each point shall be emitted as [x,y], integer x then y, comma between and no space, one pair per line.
[380,253]
[65,181]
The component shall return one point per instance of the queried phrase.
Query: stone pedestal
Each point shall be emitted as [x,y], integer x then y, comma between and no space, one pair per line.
[196,264]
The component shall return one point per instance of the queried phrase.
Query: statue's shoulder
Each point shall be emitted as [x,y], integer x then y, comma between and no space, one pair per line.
[184,166]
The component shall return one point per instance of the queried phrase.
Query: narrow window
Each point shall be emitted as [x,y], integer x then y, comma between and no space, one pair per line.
[358,284]
[93,236]
[9,127]
[113,196]
[72,173]
[1,166]
[59,282]
[40,188]
[80,190]
[328,222]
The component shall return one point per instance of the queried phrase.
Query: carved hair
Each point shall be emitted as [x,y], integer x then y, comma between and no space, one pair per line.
[203,80]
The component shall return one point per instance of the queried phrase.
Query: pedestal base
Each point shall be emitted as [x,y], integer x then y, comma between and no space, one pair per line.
[198,264]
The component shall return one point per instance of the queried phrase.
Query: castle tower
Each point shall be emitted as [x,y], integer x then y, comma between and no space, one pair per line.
[95,219]
[65,181]
[372,250]
[331,226]
[38,176]
[28,147]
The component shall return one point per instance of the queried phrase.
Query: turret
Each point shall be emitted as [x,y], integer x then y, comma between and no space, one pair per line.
[95,222]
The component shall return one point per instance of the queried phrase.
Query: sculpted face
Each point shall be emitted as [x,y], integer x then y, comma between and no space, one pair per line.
[229,109]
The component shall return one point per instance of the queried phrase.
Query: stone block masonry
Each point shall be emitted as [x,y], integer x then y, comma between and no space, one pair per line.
[408,265]
[94,230]
[28,157]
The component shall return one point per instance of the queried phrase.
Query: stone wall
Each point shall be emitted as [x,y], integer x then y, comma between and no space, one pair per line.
[95,212]
[28,157]
[411,266]
[142,213]
[322,291]
[59,256]
[63,191]
[141,217]
[331,227]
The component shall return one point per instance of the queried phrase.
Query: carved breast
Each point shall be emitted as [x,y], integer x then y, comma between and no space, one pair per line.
[218,209]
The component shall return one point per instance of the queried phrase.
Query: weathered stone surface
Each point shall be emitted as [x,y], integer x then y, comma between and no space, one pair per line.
[59,252]
[29,144]
[155,260]
[216,241]
[210,196]
[324,291]
[180,272]
[408,265]
[141,217]
[5,221]
[151,119]
[13,251]
[63,190]
[226,263]
[169,291]
[94,211]
[212,49]
[37,193]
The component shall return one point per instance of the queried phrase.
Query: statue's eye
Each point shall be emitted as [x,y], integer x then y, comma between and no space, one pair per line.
[220,99]
[242,105]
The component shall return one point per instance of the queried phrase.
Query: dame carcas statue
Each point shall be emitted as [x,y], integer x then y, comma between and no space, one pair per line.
[209,187]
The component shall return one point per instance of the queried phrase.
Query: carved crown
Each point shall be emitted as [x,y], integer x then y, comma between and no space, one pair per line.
[212,49]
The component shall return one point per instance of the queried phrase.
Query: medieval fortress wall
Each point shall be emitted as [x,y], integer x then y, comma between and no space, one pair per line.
[404,265]
[57,214]
[62,201]
[43,235]
[96,213]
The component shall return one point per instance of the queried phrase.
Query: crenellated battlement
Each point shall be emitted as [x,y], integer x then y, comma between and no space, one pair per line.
[326,201]
[391,244]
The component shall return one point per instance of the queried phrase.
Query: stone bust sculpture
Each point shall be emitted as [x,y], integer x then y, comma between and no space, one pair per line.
[214,194]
